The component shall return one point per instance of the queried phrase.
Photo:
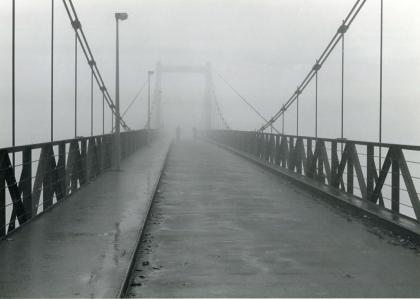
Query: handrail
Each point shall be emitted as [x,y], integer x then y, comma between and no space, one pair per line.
[60,168]
[392,184]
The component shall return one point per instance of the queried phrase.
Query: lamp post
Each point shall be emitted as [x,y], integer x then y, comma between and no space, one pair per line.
[149,75]
[118,16]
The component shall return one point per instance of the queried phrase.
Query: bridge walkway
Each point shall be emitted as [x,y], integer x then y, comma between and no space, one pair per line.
[83,246]
[224,227]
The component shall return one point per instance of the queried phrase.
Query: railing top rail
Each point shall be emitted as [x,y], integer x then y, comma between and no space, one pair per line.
[19,148]
[339,140]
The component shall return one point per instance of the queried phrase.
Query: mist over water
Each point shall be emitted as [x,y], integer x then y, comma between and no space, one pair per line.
[263,48]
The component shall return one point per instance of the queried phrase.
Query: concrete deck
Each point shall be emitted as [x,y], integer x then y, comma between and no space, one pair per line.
[225,227]
[83,247]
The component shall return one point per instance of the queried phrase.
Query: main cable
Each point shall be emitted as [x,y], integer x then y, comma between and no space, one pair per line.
[320,61]
[219,112]
[244,99]
[134,99]
[81,37]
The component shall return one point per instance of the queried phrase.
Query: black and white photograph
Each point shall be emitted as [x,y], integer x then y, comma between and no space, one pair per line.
[209,149]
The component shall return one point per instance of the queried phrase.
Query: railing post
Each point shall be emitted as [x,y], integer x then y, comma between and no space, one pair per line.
[298,158]
[309,157]
[2,196]
[259,145]
[100,153]
[252,150]
[72,166]
[395,193]
[273,149]
[370,164]
[334,165]
[96,156]
[267,147]
[107,144]
[26,181]
[291,155]
[47,180]
[123,146]
[61,170]
[84,170]
[285,152]
[104,153]
[350,169]
[251,143]
[262,146]
[277,150]
[89,159]
[128,145]
[132,143]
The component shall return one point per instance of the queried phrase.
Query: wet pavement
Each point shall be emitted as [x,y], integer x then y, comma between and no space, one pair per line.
[222,226]
[83,247]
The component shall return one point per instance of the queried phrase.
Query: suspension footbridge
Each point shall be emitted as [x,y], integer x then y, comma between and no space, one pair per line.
[227,213]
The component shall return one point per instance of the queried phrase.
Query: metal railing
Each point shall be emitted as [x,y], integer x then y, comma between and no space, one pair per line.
[348,165]
[61,168]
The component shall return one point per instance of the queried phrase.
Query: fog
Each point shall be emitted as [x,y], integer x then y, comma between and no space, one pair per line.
[263,48]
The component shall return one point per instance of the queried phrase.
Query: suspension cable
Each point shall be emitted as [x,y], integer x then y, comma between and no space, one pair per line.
[52,73]
[316,105]
[342,31]
[131,103]
[91,103]
[135,98]
[244,100]
[321,60]
[14,78]
[81,37]
[75,85]
[380,78]
[152,109]
[221,118]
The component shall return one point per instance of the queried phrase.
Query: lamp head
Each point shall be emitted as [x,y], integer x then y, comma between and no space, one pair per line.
[150,73]
[121,16]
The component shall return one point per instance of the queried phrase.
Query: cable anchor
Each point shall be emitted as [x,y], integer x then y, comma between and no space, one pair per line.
[343,28]
[317,66]
[76,24]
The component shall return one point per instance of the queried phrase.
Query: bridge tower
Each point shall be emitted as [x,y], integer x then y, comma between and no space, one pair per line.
[208,95]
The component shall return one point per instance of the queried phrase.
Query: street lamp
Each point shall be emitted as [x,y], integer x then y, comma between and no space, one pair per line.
[119,16]
[149,75]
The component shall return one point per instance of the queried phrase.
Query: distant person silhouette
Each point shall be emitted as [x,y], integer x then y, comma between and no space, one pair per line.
[178,133]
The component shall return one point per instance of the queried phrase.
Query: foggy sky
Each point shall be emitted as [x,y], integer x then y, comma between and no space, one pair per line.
[264,48]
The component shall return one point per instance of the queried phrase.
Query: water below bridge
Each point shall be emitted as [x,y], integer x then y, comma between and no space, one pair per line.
[219,226]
